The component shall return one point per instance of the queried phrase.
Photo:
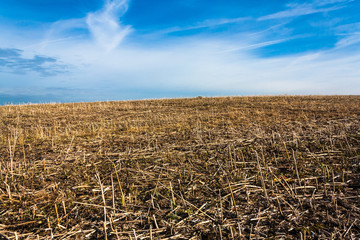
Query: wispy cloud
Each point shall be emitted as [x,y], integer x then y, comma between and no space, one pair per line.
[257,45]
[206,24]
[296,9]
[12,60]
[9,53]
[348,28]
[349,40]
[200,66]
[105,26]
[64,27]
[328,2]
[349,35]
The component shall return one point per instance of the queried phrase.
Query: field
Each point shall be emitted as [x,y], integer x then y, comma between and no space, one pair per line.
[283,167]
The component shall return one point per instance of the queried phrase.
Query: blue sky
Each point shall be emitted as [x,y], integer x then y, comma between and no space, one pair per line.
[93,50]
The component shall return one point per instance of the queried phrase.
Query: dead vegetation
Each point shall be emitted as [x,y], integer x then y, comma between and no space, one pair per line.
[205,168]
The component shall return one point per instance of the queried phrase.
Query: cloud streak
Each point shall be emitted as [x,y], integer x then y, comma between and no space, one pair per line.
[296,9]
[12,60]
[204,66]
[352,39]
[205,24]
[328,2]
[349,35]
[105,26]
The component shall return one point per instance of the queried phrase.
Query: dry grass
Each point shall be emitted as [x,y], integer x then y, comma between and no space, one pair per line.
[204,168]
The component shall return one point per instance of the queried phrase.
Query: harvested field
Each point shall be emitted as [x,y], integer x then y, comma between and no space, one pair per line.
[203,168]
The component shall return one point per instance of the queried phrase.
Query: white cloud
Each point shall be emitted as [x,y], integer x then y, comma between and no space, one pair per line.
[105,24]
[295,10]
[205,65]
[349,40]
[258,45]
[348,28]
[205,24]
[349,35]
[328,2]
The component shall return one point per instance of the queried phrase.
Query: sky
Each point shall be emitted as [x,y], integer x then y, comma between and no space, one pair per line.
[99,50]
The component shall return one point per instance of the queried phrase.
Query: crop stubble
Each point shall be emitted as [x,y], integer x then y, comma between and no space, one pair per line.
[201,168]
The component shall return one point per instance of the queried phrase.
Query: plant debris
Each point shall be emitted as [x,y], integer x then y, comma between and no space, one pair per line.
[283,167]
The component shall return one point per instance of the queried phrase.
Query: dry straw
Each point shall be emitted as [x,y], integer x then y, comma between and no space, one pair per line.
[205,168]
